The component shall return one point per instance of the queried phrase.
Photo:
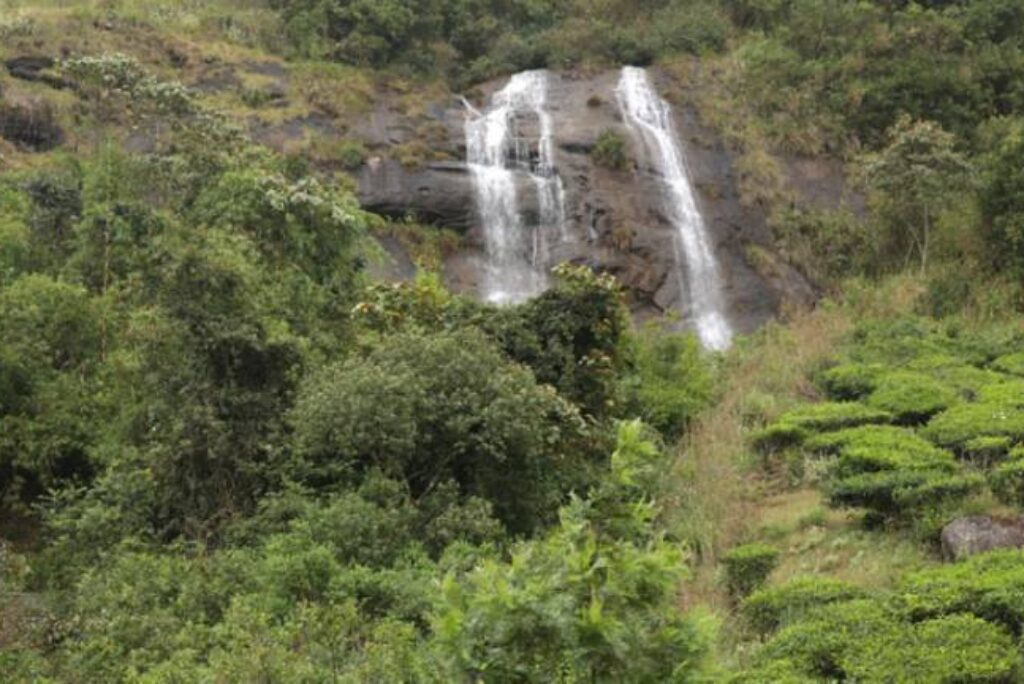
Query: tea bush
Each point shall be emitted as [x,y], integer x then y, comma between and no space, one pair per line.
[1010,363]
[748,566]
[794,426]
[1007,479]
[911,398]
[864,640]
[769,608]
[955,427]
[850,381]
[989,585]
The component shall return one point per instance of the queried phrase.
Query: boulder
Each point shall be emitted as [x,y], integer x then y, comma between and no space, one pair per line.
[979,533]
[31,124]
[35,69]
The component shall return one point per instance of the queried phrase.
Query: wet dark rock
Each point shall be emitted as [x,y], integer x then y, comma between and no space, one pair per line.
[615,220]
[31,124]
[979,533]
[34,68]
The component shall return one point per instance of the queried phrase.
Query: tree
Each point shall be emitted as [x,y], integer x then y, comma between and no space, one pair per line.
[916,177]
[427,409]
[1002,201]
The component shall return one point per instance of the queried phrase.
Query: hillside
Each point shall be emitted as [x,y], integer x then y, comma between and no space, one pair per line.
[365,340]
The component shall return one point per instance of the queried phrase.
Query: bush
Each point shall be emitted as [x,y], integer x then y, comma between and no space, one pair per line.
[1007,479]
[956,426]
[349,154]
[985,451]
[912,398]
[897,494]
[817,645]
[988,585]
[1010,363]
[575,603]
[571,337]
[850,381]
[748,566]
[428,408]
[871,448]
[827,416]
[863,640]
[770,608]
[671,380]
[610,151]
[967,380]
[793,427]
[1009,392]
[778,437]
[956,648]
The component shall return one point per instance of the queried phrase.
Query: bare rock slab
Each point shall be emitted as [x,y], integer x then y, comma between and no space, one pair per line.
[979,533]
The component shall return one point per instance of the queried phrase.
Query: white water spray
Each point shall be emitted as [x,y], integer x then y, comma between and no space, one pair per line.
[498,152]
[649,119]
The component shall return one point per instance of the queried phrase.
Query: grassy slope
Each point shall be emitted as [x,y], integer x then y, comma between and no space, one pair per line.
[231,51]
[724,497]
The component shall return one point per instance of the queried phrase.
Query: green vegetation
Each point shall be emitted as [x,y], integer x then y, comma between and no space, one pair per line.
[610,151]
[748,566]
[475,40]
[227,454]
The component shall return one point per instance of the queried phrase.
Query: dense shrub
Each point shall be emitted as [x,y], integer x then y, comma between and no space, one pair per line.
[879,447]
[593,599]
[747,567]
[850,381]
[571,337]
[865,641]
[1010,363]
[479,39]
[1007,479]
[826,416]
[428,408]
[899,494]
[989,585]
[671,380]
[984,451]
[955,427]
[911,398]
[956,648]
[49,340]
[794,426]
[772,607]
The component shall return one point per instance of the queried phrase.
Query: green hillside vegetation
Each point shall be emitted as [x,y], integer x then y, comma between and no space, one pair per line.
[228,453]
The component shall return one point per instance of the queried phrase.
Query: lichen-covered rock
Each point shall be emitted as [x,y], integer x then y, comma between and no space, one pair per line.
[979,533]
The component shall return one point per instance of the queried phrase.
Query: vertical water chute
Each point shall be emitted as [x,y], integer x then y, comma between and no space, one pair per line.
[510,141]
[649,119]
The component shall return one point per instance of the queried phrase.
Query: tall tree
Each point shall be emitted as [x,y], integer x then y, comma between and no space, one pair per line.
[915,178]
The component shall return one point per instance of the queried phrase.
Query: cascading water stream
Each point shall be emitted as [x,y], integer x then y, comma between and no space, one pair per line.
[649,119]
[498,152]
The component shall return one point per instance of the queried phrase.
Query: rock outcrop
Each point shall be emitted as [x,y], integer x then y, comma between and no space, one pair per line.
[977,534]
[615,219]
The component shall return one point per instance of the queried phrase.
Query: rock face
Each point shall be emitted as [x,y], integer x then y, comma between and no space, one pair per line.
[615,220]
[976,534]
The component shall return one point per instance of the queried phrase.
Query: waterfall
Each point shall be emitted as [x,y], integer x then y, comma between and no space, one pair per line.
[500,150]
[649,119]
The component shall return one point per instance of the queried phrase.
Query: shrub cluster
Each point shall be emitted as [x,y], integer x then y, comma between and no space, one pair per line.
[747,567]
[953,624]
